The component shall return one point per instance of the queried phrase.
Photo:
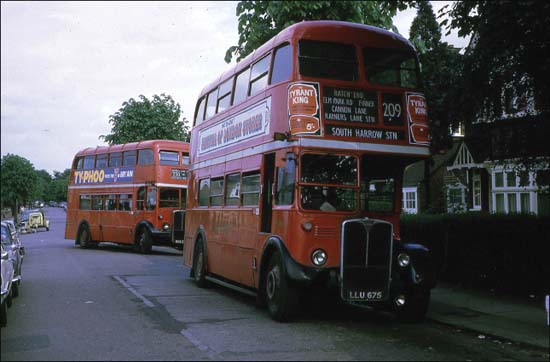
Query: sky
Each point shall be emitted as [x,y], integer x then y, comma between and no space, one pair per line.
[67,66]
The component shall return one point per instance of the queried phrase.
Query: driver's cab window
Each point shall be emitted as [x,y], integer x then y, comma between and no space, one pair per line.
[378,184]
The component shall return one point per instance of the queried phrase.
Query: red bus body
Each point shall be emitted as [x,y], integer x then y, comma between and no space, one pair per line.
[127,193]
[326,126]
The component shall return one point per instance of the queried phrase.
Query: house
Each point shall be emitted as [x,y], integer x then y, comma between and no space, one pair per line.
[486,171]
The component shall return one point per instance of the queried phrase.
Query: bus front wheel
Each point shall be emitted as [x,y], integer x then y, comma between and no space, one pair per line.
[415,307]
[145,242]
[281,299]
[199,265]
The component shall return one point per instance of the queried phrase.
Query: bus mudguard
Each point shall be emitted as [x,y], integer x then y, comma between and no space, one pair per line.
[421,270]
[295,272]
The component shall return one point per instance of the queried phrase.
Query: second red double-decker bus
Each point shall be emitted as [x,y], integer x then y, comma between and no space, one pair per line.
[297,160]
[131,193]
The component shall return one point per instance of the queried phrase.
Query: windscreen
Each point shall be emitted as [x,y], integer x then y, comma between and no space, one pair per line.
[327,60]
[329,182]
[396,67]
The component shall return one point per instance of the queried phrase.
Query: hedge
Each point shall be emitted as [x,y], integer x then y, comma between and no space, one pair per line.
[504,253]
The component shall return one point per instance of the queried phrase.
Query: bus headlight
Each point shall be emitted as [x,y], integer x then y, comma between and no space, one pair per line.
[319,257]
[165,226]
[403,260]
[307,225]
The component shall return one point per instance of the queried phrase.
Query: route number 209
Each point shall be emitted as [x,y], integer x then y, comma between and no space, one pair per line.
[391,109]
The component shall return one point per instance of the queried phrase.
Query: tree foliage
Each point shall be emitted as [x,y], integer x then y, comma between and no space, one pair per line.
[17,180]
[259,21]
[509,43]
[144,119]
[442,71]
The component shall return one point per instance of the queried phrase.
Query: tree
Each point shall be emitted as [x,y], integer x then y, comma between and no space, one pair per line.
[43,180]
[508,52]
[18,182]
[441,73]
[57,189]
[146,119]
[509,42]
[259,21]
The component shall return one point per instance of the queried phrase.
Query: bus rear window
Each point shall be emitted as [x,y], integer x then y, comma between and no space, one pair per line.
[397,67]
[328,60]
[169,158]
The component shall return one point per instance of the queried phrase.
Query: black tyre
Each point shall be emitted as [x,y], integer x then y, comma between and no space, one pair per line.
[199,264]
[145,242]
[281,299]
[83,237]
[415,307]
[8,301]
[15,289]
[4,315]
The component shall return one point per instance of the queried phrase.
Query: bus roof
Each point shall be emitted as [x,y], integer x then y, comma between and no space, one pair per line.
[326,30]
[134,146]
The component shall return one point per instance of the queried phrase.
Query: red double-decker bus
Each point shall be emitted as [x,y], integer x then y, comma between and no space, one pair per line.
[297,159]
[131,193]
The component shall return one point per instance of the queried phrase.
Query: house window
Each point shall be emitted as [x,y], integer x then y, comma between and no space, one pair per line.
[499,200]
[456,198]
[410,200]
[525,199]
[512,203]
[499,179]
[476,192]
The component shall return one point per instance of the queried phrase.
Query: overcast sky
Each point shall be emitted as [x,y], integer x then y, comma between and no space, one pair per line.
[67,66]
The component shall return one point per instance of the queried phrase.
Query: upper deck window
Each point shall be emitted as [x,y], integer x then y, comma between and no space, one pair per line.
[79,163]
[397,67]
[224,95]
[169,158]
[241,86]
[145,157]
[115,159]
[185,158]
[258,76]
[129,158]
[282,64]
[327,60]
[89,162]
[101,161]
[211,103]
[200,111]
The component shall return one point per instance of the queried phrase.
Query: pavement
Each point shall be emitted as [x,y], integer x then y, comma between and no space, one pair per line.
[507,318]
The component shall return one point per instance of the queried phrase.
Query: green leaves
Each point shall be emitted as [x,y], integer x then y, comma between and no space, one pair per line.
[259,21]
[18,181]
[144,119]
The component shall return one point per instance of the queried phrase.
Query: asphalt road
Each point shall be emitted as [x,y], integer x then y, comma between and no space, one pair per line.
[111,303]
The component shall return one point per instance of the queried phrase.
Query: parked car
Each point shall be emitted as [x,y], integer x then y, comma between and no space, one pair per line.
[13,247]
[6,291]
[15,235]
[32,220]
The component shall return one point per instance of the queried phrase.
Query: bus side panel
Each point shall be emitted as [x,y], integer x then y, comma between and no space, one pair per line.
[72,209]
[247,224]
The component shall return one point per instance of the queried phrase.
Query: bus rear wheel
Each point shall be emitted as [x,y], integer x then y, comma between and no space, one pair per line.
[281,299]
[145,242]
[84,237]
[199,265]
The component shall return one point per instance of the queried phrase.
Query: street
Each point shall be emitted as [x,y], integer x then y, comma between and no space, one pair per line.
[111,303]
